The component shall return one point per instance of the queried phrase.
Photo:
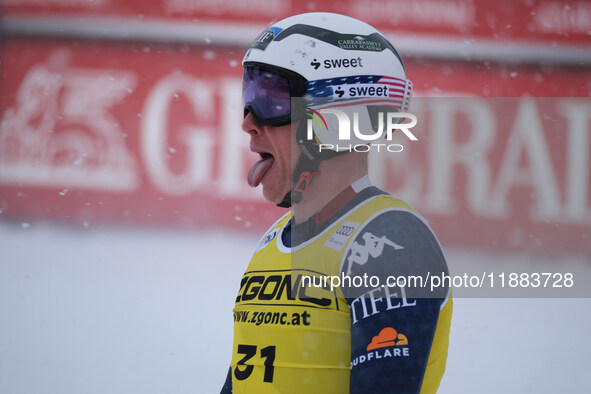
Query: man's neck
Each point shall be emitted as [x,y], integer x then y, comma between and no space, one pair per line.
[335,176]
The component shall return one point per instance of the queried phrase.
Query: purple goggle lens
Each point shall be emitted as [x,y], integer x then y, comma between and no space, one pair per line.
[267,95]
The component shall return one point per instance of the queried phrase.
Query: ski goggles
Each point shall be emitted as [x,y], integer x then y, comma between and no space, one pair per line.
[267,93]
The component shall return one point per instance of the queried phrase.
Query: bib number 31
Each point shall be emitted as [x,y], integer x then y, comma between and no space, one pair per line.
[243,370]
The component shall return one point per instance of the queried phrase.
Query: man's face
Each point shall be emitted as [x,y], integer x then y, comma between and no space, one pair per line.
[273,170]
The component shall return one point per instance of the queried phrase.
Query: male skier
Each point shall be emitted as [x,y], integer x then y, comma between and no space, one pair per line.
[306,319]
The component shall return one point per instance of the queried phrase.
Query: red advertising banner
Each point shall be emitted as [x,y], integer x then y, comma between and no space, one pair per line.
[93,132]
[553,22]
[498,172]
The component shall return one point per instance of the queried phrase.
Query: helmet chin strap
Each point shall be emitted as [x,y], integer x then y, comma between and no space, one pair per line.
[286,202]
[303,172]
[301,177]
[306,167]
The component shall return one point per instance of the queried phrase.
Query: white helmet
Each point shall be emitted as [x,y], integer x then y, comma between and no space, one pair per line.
[326,58]
[322,45]
[333,53]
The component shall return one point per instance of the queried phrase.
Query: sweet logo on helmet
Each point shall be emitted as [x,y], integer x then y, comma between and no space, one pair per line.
[362,90]
[392,123]
[337,63]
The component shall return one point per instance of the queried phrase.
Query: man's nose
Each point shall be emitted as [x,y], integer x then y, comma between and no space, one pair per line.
[250,125]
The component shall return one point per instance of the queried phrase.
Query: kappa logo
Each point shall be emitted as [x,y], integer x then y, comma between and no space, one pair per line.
[373,246]
[388,343]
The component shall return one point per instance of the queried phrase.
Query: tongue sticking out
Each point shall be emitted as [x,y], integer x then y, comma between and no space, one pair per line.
[258,171]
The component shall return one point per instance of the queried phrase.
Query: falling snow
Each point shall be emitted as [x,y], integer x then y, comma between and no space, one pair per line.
[98,302]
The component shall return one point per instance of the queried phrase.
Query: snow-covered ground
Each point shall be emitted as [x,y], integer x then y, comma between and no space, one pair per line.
[115,310]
